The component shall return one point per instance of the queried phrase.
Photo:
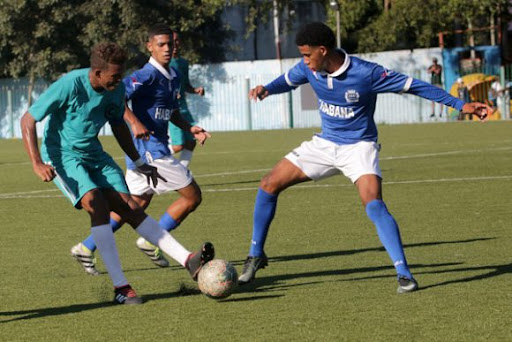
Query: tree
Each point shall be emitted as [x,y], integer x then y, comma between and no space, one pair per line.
[412,24]
[33,41]
[45,38]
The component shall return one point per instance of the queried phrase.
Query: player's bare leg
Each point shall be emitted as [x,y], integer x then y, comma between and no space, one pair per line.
[189,200]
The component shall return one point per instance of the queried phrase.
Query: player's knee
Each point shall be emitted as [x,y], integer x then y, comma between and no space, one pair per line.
[194,202]
[96,206]
[268,185]
[177,148]
[133,216]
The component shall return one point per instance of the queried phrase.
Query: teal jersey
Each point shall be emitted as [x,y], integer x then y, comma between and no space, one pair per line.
[76,113]
[181,66]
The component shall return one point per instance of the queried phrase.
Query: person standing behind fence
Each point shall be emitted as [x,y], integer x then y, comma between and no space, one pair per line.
[462,94]
[435,71]
[182,141]
[495,94]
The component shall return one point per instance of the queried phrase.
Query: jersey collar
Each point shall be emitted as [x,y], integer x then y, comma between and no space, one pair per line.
[168,74]
[343,67]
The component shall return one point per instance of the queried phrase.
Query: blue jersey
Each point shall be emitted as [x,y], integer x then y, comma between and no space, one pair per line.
[347,97]
[153,92]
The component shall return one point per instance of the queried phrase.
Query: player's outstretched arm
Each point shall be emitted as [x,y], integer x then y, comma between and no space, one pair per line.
[258,93]
[199,133]
[28,132]
[477,108]
[124,138]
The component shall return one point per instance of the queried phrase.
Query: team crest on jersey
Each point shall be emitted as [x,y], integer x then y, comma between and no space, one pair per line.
[351,96]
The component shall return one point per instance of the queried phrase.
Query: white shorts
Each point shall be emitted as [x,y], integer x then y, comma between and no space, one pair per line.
[177,176]
[320,158]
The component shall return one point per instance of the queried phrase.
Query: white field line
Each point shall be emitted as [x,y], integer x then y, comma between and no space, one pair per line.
[47,193]
[422,155]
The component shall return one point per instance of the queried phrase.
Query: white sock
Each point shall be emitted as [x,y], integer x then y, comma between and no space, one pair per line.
[104,239]
[185,157]
[151,231]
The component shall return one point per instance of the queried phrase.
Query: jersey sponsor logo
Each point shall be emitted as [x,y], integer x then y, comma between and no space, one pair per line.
[336,111]
[352,96]
[163,114]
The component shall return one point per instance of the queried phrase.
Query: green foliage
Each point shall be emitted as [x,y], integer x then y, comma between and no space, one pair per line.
[412,24]
[46,38]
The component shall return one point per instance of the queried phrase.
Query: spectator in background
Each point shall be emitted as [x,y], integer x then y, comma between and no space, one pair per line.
[495,94]
[435,71]
[463,94]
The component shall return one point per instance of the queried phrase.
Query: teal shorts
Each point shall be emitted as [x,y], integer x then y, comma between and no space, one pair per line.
[75,177]
[177,136]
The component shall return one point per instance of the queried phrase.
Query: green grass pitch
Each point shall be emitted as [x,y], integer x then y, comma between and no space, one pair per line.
[449,186]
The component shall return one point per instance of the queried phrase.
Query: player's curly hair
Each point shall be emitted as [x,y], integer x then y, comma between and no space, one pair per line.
[315,34]
[106,53]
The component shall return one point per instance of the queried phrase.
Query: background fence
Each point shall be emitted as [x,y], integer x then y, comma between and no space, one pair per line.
[225,106]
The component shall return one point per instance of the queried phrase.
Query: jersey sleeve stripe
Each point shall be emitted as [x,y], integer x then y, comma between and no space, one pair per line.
[288,81]
[407,85]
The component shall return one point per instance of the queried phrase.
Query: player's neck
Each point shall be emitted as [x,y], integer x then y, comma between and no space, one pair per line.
[96,86]
[334,61]
[165,65]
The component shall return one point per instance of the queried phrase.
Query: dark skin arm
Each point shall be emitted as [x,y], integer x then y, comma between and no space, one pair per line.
[199,133]
[29,134]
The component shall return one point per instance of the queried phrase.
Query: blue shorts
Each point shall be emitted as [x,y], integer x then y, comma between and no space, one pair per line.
[75,177]
[177,136]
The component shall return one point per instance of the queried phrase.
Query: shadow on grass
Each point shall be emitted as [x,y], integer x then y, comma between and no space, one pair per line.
[491,272]
[48,312]
[272,283]
[296,257]
[76,308]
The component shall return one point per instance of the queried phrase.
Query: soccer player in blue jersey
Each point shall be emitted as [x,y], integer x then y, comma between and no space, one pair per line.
[76,107]
[347,89]
[181,140]
[152,92]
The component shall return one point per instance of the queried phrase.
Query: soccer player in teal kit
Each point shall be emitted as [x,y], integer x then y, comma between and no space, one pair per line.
[76,107]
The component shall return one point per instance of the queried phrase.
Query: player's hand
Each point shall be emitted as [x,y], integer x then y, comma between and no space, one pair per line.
[45,172]
[199,91]
[151,173]
[258,93]
[481,110]
[200,134]
[140,131]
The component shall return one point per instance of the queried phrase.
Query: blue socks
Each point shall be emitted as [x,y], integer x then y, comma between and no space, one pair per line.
[264,210]
[89,241]
[167,222]
[387,229]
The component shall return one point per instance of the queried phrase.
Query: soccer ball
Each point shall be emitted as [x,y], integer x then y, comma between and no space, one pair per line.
[217,279]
